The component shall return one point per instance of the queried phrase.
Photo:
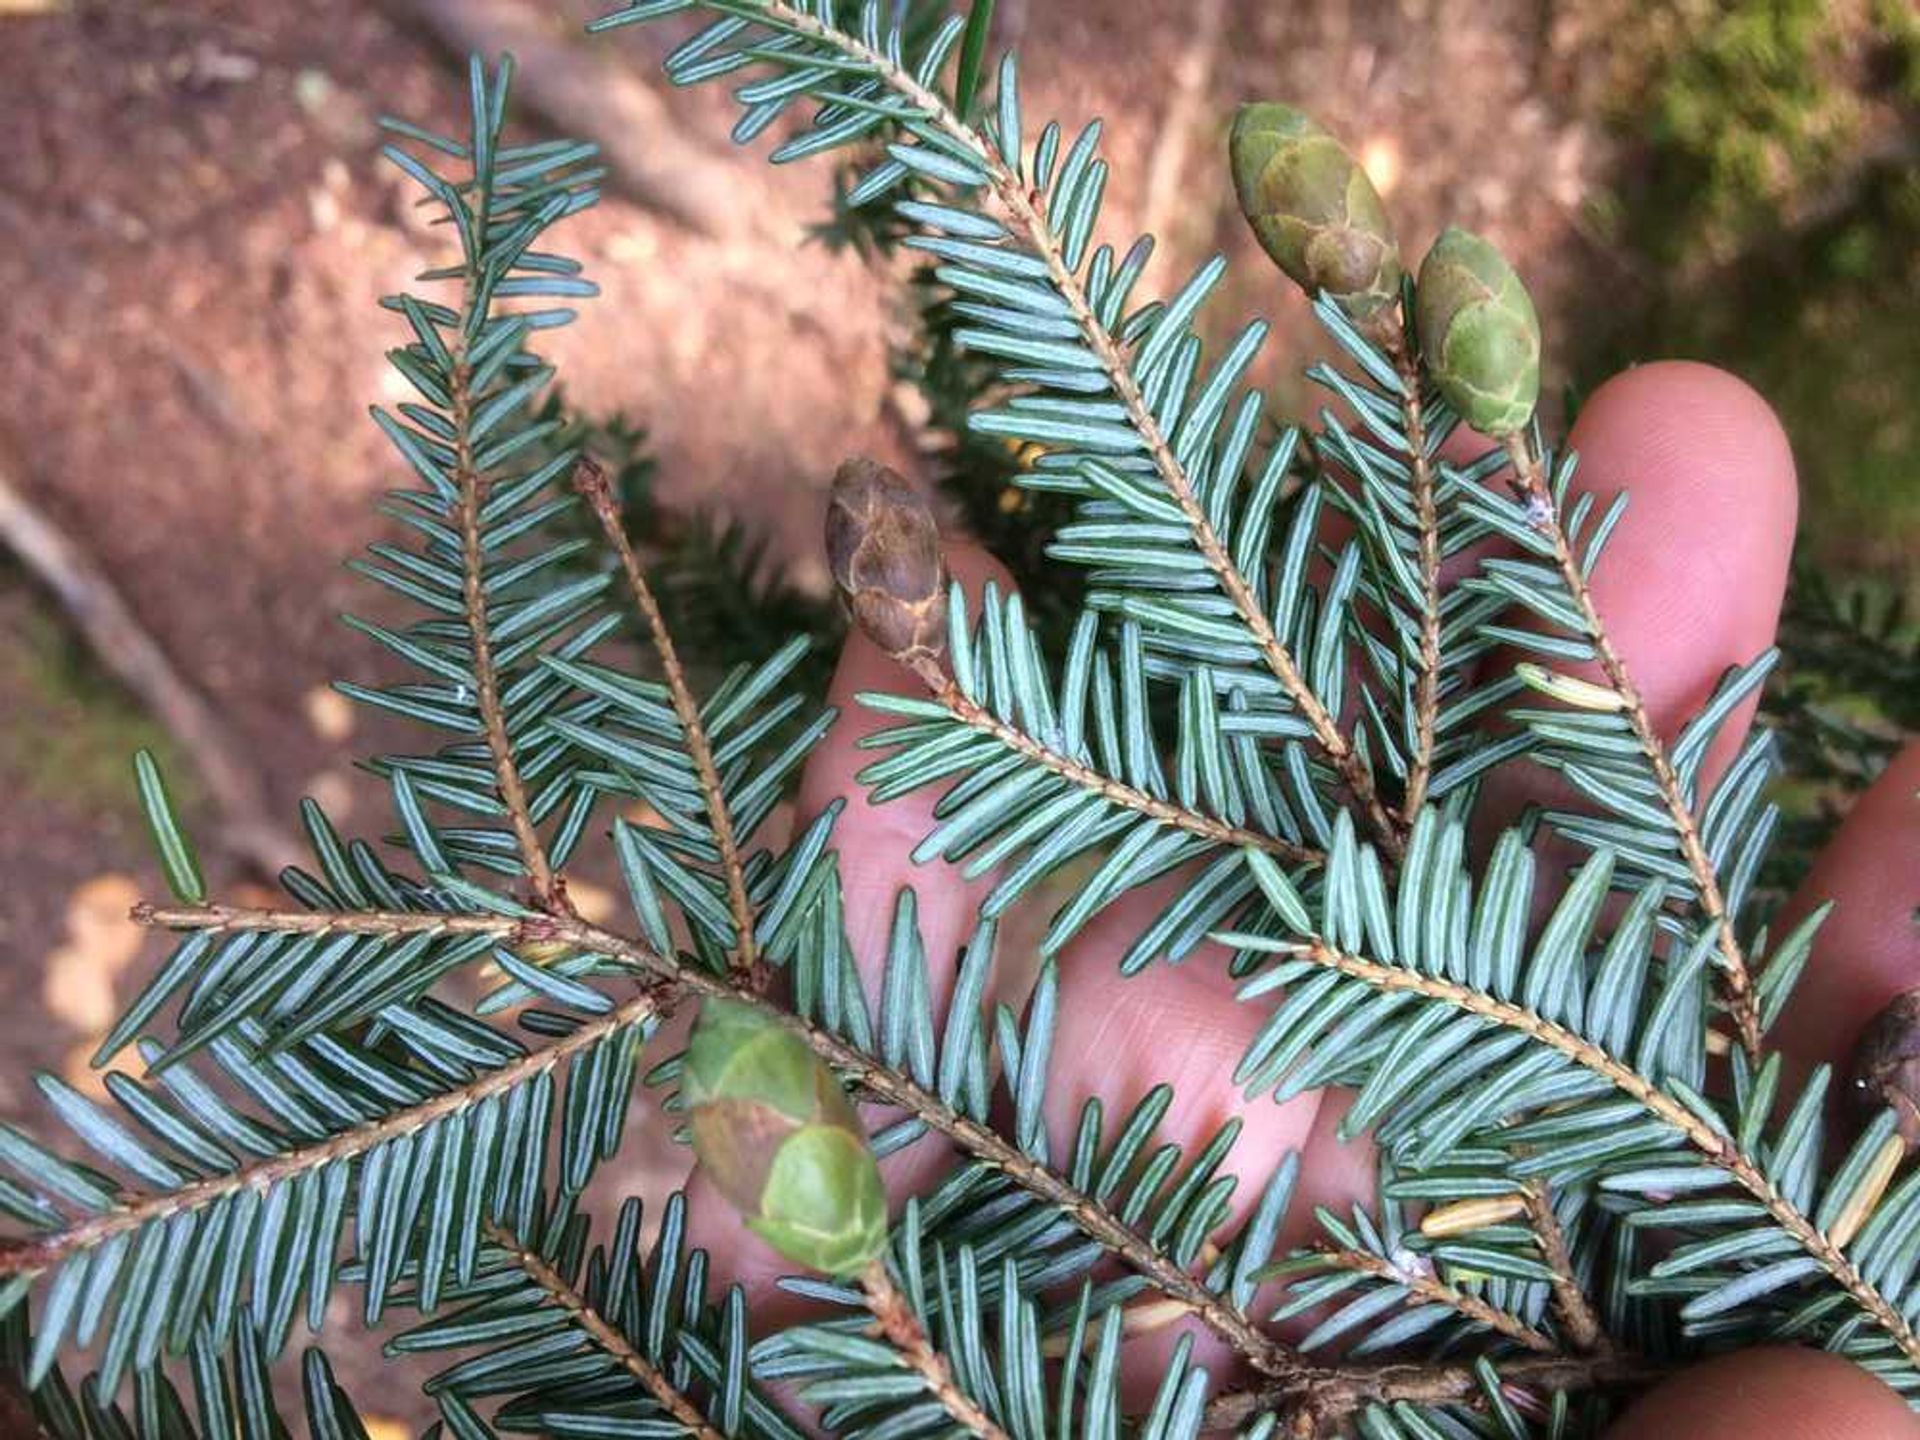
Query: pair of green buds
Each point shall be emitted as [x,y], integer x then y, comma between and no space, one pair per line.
[778,1137]
[1317,214]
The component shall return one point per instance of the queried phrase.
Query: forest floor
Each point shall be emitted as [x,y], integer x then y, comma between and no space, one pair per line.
[195,227]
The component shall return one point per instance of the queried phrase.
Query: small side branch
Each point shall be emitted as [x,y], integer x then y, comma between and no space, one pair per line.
[1179,817]
[1323,1402]
[1711,1144]
[604,1334]
[1427,1289]
[1011,192]
[901,1328]
[1736,975]
[473,488]
[591,481]
[1426,702]
[43,1251]
[1570,1303]
[880,1083]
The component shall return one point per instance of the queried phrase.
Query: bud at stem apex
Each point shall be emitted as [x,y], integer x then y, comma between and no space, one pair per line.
[1478,333]
[1886,1064]
[884,551]
[1313,209]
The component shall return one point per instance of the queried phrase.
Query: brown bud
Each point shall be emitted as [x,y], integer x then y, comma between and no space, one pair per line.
[884,550]
[1886,1064]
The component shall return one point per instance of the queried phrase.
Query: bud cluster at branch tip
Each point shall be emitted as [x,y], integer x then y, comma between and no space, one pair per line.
[778,1137]
[1313,209]
[1478,333]
[883,548]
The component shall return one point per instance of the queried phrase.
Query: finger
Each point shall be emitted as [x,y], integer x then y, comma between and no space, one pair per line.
[1181,1025]
[1784,1394]
[875,844]
[1868,951]
[1691,582]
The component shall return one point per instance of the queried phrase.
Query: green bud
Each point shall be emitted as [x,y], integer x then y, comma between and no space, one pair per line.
[778,1137]
[1478,332]
[1313,209]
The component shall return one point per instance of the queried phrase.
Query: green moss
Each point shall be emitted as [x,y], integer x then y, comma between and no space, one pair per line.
[1775,210]
[68,730]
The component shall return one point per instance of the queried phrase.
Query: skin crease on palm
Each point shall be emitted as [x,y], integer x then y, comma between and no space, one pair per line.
[1691,583]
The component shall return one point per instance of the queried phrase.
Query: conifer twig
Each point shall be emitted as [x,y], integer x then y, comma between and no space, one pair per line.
[473,488]
[1322,1401]
[1011,193]
[604,1334]
[1430,1289]
[881,1083]
[1717,1148]
[1180,817]
[1736,975]
[1570,1301]
[1426,706]
[896,1322]
[39,1252]
[591,481]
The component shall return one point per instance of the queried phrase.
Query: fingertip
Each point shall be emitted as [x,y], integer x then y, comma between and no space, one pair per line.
[1692,580]
[1775,1391]
[1868,949]
[1697,429]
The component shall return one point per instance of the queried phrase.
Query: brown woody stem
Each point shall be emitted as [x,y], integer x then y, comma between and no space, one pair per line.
[1426,703]
[1179,817]
[880,1083]
[473,489]
[896,1322]
[1717,1148]
[40,1252]
[1322,1401]
[591,481]
[1570,1302]
[1433,1291]
[605,1334]
[1735,974]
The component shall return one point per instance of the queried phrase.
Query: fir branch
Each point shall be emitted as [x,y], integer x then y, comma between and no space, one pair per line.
[591,481]
[1736,975]
[40,1252]
[1431,1290]
[964,709]
[894,1318]
[474,488]
[1570,1302]
[1012,194]
[240,919]
[1426,700]
[604,1334]
[1716,1147]
[880,1082]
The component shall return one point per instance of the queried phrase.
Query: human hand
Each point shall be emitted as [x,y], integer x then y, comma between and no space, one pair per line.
[1691,584]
